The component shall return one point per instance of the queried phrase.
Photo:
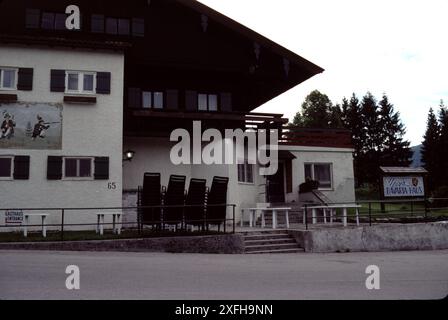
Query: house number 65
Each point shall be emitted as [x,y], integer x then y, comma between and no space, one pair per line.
[111,186]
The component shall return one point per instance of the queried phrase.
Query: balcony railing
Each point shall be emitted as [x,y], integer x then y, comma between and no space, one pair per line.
[330,138]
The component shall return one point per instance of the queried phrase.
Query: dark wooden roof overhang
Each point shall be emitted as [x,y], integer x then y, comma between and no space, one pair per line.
[64,42]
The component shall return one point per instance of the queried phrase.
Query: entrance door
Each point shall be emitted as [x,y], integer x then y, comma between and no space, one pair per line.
[275,186]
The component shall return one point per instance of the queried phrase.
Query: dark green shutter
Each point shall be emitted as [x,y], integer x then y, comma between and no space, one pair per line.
[103,82]
[21,167]
[102,168]
[32,18]
[25,79]
[172,99]
[134,98]
[54,168]
[57,83]
[226,102]
[191,100]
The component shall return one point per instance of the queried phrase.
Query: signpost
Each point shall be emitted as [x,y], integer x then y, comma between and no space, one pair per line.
[13,217]
[402,183]
[406,186]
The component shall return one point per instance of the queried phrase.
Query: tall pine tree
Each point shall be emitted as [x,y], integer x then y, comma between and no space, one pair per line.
[394,150]
[443,146]
[430,149]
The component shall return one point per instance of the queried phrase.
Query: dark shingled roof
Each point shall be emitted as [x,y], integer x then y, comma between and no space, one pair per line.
[241,29]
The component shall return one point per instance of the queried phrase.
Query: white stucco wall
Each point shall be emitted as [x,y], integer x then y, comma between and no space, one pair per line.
[343,189]
[87,130]
[153,155]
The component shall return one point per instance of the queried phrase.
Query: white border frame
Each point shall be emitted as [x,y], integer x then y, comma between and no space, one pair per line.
[11,177]
[80,90]
[92,169]
[16,76]
[312,173]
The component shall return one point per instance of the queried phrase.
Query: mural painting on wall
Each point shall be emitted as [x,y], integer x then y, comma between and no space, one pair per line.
[31,126]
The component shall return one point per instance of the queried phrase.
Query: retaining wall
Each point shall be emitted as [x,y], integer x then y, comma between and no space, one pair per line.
[231,243]
[387,237]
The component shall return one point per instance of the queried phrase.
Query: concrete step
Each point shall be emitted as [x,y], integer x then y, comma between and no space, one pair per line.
[270,241]
[270,247]
[267,232]
[266,236]
[298,250]
[263,242]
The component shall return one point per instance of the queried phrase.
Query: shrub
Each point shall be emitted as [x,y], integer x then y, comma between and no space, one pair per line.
[308,186]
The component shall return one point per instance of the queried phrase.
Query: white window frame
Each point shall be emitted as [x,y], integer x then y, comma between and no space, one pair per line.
[80,82]
[152,95]
[15,78]
[77,178]
[208,95]
[312,173]
[11,174]
[246,163]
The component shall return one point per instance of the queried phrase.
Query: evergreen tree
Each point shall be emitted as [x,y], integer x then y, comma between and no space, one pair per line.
[352,120]
[430,149]
[394,150]
[442,155]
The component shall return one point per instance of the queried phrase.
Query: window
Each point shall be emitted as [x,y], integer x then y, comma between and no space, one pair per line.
[6,168]
[321,172]
[78,168]
[80,82]
[59,22]
[8,79]
[138,27]
[152,100]
[48,20]
[207,102]
[124,27]
[112,25]
[245,172]
[97,25]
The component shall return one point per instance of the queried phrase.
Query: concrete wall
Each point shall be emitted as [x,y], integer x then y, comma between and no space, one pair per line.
[226,244]
[393,237]
[87,130]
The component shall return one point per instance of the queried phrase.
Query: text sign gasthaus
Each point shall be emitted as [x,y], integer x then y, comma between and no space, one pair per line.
[14,217]
[403,187]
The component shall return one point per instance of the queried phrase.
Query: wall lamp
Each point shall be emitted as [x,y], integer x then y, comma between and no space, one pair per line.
[128,155]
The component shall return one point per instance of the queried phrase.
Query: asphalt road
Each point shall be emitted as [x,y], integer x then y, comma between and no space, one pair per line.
[112,275]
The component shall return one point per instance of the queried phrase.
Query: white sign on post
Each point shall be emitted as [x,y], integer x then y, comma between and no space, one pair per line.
[13,217]
[403,187]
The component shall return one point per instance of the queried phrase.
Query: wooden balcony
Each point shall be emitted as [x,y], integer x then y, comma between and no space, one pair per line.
[160,123]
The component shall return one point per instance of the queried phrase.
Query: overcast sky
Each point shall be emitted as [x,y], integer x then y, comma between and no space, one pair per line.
[397,47]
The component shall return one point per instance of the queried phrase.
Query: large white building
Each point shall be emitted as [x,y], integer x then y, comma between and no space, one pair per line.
[72,102]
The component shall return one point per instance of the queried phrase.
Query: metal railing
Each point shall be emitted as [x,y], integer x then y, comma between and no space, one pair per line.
[381,211]
[134,219]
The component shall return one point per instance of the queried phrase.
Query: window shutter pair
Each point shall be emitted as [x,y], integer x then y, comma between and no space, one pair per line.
[57,82]
[21,168]
[54,168]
